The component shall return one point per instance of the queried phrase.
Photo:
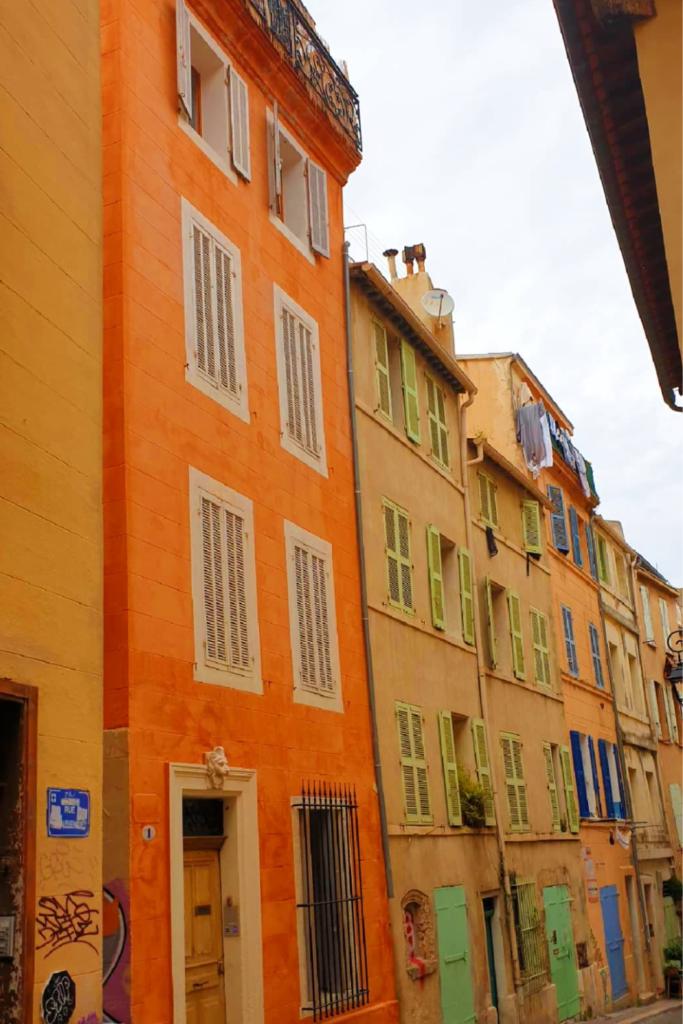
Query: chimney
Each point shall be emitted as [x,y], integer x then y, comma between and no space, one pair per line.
[391,255]
[414,286]
[408,257]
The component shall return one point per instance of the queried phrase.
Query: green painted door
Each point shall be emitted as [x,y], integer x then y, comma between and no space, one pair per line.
[457,994]
[558,929]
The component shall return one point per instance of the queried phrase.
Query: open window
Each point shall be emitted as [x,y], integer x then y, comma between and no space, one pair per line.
[213,97]
[298,191]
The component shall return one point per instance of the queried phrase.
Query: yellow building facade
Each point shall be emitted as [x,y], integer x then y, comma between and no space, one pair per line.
[50,514]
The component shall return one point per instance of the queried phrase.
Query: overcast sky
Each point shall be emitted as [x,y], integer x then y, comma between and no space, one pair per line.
[474,144]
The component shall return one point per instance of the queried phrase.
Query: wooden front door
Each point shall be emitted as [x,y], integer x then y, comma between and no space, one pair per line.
[204,982]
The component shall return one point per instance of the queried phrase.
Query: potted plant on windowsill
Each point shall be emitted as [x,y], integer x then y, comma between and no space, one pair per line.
[471,800]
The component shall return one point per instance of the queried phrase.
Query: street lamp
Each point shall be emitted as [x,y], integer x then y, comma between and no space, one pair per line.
[674,643]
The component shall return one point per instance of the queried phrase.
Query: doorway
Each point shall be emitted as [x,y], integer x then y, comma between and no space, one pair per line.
[493,941]
[455,971]
[614,940]
[560,936]
[204,967]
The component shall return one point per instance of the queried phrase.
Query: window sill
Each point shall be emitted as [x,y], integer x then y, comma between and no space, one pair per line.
[598,823]
[237,406]
[541,837]
[542,691]
[583,573]
[439,831]
[303,247]
[247,682]
[589,687]
[319,465]
[316,700]
[215,158]
[406,619]
[502,539]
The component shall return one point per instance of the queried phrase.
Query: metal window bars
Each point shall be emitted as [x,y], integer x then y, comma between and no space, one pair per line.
[290,28]
[531,943]
[331,907]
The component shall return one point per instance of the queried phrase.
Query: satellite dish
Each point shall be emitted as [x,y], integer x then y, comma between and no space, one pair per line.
[438,303]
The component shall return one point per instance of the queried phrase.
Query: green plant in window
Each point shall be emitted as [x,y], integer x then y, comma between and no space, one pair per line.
[471,800]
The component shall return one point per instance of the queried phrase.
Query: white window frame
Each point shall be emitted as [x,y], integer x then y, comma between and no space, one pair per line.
[223,162]
[296,536]
[304,246]
[237,404]
[282,300]
[250,679]
[589,782]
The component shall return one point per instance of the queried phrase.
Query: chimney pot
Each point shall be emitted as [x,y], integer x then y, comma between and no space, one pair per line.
[391,255]
[408,257]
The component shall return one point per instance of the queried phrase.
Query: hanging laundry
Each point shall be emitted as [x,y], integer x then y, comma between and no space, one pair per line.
[491,541]
[583,475]
[531,436]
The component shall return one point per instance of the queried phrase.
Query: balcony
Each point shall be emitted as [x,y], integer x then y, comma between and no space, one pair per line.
[652,837]
[288,25]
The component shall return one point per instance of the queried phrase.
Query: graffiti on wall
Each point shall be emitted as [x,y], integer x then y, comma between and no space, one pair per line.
[58,1001]
[65,920]
[115,953]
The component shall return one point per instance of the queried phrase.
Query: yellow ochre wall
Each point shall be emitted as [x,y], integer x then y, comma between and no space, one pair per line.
[658,45]
[50,438]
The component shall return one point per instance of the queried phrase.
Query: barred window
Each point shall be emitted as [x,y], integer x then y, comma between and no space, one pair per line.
[330,905]
[531,943]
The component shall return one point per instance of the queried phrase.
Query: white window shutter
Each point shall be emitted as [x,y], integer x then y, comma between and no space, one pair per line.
[325,676]
[274,165]
[214,583]
[236,596]
[302,572]
[239,124]
[317,208]
[182,23]
[226,371]
[203,304]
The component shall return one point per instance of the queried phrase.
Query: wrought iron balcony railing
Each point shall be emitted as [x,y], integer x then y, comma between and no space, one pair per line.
[288,26]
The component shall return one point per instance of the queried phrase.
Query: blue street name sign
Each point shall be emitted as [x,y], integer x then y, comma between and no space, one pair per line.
[68,813]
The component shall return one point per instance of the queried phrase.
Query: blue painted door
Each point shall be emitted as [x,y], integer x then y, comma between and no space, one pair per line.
[614,940]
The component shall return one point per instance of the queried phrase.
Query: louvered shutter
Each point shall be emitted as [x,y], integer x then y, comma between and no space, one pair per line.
[410,401]
[596,781]
[240,656]
[606,778]
[225,321]
[515,786]
[239,124]
[183,59]
[300,382]
[558,522]
[531,527]
[203,302]
[317,208]
[539,634]
[443,428]
[664,616]
[552,786]
[677,808]
[302,580]
[481,760]
[420,765]
[466,595]
[647,613]
[570,644]
[391,550]
[654,708]
[408,772]
[309,404]
[569,793]
[576,538]
[603,567]
[484,505]
[436,589]
[431,416]
[595,654]
[213,576]
[521,784]
[404,556]
[670,711]
[490,623]
[274,165]
[579,774]
[321,619]
[450,768]
[590,544]
[382,369]
[516,638]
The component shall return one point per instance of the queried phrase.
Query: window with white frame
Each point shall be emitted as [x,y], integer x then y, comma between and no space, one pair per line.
[299,382]
[312,619]
[223,585]
[213,97]
[214,329]
[298,191]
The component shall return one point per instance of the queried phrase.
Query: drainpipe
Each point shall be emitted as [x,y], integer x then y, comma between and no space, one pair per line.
[363,584]
[624,776]
[481,682]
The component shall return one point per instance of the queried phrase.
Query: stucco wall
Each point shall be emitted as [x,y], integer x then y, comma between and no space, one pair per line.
[50,442]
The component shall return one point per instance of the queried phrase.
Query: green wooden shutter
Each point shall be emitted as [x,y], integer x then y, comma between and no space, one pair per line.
[411,406]
[516,637]
[670,712]
[432,418]
[539,633]
[444,457]
[568,784]
[552,786]
[481,759]
[450,768]
[531,527]
[487,500]
[490,623]
[413,764]
[397,550]
[515,786]
[455,969]
[466,596]
[406,566]
[603,566]
[382,369]
[436,590]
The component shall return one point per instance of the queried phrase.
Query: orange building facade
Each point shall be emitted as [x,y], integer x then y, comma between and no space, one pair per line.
[244,879]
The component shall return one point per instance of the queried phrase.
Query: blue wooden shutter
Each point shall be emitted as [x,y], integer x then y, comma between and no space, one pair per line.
[576,539]
[558,522]
[596,781]
[579,775]
[595,652]
[569,642]
[590,544]
[606,779]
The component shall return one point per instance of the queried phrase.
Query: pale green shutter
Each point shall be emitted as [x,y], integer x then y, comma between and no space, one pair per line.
[411,406]
[515,786]
[382,369]
[539,634]
[413,764]
[481,759]
[603,567]
[406,565]
[432,418]
[531,527]
[443,428]
[568,783]
[450,768]
[552,786]
[397,550]
[391,551]
[484,509]
[435,577]
[423,801]
[670,711]
[516,638]
[490,623]
[466,595]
